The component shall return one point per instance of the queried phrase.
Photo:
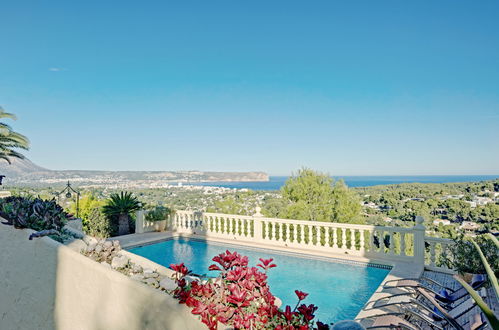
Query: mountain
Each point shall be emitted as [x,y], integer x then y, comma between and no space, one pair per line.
[23,172]
[20,167]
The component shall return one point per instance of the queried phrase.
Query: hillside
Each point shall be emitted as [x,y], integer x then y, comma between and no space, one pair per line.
[26,173]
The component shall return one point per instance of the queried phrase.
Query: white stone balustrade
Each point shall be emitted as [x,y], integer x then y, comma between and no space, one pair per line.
[374,242]
[436,247]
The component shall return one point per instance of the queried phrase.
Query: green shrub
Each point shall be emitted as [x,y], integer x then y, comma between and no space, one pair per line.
[464,257]
[158,213]
[97,224]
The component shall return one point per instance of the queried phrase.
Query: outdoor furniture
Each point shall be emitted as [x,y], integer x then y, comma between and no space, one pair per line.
[422,303]
[444,294]
[397,320]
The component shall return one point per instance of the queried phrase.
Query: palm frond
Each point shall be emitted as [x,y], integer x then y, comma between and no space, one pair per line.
[10,140]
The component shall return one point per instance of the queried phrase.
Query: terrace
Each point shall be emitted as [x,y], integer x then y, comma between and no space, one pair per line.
[408,251]
[83,285]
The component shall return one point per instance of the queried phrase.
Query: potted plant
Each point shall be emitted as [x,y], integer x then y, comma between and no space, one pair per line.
[159,215]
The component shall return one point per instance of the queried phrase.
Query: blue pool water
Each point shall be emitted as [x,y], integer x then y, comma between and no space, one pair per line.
[339,289]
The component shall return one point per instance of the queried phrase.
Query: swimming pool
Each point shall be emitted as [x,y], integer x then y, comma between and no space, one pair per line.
[340,289]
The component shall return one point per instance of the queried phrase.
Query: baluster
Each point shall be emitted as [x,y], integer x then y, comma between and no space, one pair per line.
[326,237]
[294,237]
[286,232]
[402,244]
[238,227]
[361,238]
[310,235]
[335,237]
[432,254]
[278,232]
[228,225]
[443,247]
[343,238]
[302,234]
[352,240]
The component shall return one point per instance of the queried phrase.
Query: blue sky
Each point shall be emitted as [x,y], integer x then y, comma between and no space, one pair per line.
[350,87]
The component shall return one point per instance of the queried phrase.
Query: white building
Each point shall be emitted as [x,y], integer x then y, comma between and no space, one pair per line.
[469,226]
[441,221]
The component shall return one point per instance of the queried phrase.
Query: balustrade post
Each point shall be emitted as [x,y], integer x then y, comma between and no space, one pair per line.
[419,246]
[139,222]
[257,225]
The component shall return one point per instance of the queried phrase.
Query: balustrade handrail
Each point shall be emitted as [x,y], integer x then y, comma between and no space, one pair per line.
[438,239]
[302,222]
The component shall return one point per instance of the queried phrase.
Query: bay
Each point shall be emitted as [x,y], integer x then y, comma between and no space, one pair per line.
[276,182]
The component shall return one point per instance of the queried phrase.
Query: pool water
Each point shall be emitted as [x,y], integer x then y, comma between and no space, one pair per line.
[340,290]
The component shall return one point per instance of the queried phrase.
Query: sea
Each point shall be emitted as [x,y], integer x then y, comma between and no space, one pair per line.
[276,182]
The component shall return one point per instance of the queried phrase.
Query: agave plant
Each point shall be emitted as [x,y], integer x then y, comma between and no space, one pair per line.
[10,140]
[120,206]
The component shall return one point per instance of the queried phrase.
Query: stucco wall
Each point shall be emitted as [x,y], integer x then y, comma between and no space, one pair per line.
[45,285]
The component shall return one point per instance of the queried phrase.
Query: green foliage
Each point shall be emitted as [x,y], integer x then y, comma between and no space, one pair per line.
[87,204]
[449,201]
[465,258]
[158,213]
[346,204]
[97,224]
[494,322]
[118,210]
[122,203]
[314,196]
[33,213]
[228,205]
[10,140]
[488,268]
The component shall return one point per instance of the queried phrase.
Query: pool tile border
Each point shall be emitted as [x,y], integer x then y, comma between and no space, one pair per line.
[295,254]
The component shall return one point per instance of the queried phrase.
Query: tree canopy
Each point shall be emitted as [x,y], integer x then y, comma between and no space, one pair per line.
[312,195]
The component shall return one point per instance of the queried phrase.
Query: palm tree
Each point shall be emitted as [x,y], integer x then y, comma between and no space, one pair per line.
[120,206]
[10,140]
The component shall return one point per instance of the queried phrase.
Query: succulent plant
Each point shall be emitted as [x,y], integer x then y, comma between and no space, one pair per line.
[34,213]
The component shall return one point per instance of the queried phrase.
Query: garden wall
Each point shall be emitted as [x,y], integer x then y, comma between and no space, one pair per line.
[46,285]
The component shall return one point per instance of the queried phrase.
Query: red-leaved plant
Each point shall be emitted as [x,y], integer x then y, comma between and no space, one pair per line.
[240,297]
